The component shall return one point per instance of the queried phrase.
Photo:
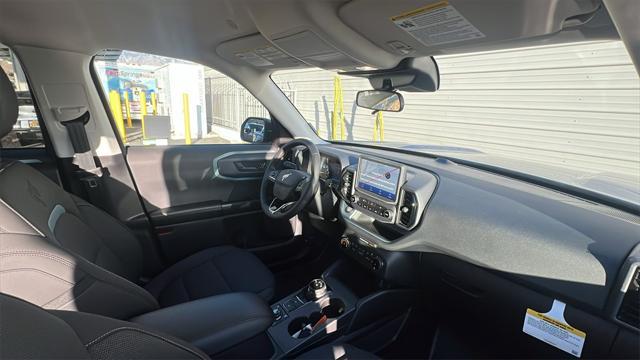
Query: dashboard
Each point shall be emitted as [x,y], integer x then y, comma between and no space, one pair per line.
[442,217]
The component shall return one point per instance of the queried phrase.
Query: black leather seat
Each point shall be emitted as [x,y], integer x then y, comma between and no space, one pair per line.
[60,252]
[30,332]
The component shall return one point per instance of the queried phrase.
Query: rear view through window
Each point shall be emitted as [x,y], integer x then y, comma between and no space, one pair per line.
[157,100]
[26,132]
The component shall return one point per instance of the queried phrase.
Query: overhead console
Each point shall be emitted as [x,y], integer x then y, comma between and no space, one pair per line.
[258,52]
[350,35]
[312,33]
[382,200]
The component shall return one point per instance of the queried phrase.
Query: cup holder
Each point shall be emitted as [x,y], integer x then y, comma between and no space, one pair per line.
[333,308]
[301,327]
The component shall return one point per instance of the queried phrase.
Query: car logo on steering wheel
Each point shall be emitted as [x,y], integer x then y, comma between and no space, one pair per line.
[284,177]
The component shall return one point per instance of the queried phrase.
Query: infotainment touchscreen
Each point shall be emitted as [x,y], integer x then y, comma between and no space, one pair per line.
[378,178]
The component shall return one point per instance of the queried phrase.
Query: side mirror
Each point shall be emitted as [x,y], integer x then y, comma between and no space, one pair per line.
[256,130]
[380,100]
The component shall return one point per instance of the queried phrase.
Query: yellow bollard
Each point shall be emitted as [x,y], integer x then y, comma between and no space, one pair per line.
[127,108]
[187,120]
[375,129]
[380,120]
[378,127]
[142,100]
[337,116]
[116,111]
[154,103]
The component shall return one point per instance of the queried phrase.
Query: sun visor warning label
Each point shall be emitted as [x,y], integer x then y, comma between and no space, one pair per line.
[553,329]
[437,24]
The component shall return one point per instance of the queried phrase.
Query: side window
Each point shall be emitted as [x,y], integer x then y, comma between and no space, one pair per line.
[26,132]
[157,100]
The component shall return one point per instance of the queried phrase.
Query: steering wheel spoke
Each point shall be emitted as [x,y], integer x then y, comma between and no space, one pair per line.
[303,183]
[274,209]
[273,175]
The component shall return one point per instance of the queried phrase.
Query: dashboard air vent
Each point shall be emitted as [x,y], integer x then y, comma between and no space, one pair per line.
[407,209]
[346,184]
[629,311]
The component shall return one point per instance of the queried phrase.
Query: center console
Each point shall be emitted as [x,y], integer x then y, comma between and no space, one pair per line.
[382,201]
[310,314]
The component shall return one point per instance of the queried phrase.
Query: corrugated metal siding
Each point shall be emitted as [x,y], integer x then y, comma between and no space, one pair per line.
[576,106]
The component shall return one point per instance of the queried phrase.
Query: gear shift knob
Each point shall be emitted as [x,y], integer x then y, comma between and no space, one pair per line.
[316,289]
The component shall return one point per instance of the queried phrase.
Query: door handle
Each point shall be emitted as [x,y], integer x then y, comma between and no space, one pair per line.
[251,165]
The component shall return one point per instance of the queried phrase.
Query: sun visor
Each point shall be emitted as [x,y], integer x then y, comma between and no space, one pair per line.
[417,28]
[256,51]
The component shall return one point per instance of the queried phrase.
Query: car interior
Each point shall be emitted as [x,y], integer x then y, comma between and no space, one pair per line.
[286,244]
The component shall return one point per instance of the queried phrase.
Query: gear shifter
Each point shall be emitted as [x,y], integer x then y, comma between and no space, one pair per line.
[316,289]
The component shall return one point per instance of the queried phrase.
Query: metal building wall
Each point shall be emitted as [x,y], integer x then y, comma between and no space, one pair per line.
[575,105]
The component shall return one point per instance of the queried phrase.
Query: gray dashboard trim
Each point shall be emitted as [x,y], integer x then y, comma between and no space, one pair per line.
[548,239]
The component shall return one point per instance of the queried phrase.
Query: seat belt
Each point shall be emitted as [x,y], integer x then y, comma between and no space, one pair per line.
[89,170]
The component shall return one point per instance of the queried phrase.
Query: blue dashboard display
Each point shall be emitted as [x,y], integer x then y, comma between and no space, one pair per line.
[378,179]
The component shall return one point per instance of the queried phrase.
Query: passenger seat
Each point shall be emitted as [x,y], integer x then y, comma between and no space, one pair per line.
[60,252]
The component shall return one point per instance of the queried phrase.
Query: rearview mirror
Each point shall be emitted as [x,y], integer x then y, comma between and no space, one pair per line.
[255,130]
[380,100]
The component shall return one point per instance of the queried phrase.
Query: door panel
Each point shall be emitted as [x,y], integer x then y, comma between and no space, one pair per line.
[200,196]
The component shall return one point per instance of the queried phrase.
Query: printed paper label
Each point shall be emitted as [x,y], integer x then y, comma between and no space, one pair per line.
[436,24]
[553,329]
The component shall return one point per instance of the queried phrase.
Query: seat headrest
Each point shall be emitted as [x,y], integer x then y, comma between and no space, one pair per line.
[8,105]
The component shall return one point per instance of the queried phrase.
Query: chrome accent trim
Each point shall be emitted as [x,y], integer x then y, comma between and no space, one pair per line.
[215,167]
[273,211]
[30,161]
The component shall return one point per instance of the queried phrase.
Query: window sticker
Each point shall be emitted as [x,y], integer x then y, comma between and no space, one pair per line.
[437,24]
[552,328]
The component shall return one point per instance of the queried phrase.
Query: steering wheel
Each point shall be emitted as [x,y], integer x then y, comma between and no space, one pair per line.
[285,190]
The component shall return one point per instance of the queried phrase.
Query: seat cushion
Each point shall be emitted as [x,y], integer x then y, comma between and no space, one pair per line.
[213,271]
[335,352]
[30,332]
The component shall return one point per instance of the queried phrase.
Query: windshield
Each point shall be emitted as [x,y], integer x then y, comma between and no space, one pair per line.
[569,113]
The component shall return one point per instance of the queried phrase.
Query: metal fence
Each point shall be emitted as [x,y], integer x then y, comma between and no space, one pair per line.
[228,103]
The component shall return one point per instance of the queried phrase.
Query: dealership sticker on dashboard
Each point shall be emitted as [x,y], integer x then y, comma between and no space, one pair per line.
[436,24]
[552,328]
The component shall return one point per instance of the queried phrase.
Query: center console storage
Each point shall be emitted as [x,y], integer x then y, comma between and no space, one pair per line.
[215,323]
[322,308]
[347,304]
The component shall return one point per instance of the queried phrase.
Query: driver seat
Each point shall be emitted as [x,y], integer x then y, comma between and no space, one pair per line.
[60,252]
